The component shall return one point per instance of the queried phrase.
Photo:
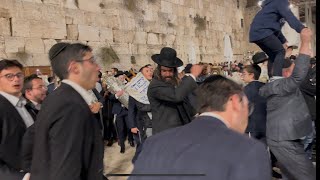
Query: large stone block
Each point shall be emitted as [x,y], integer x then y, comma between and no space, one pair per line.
[20,27]
[88,33]
[53,13]
[166,7]
[120,48]
[92,6]
[14,44]
[40,59]
[4,13]
[44,29]
[31,11]
[72,31]
[34,45]
[70,4]
[140,38]
[32,1]
[5,27]
[106,34]
[153,39]
[53,2]
[123,36]
[48,43]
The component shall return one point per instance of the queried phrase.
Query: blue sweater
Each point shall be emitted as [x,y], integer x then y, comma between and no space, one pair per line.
[269,20]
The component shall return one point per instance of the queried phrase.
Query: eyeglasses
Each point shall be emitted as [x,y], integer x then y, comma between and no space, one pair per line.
[11,76]
[41,87]
[91,60]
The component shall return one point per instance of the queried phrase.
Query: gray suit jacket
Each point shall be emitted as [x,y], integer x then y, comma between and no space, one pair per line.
[288,117]
[204,146]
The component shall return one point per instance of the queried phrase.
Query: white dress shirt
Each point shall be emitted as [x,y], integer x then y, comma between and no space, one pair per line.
[19,103]
[85,94]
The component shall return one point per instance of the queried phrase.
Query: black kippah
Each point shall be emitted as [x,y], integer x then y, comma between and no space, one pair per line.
[57,49]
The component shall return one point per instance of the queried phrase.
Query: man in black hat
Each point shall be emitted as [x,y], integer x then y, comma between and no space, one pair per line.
[167,94]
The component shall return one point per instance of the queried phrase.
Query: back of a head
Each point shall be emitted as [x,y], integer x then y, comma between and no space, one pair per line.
[214,93]
[61,54]
[6,63]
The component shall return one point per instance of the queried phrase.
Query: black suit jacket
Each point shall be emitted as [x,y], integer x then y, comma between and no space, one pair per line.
[257,120]
[117,107]
[12,129]
[68,142]
[204,146]
[168,103]
[138,115]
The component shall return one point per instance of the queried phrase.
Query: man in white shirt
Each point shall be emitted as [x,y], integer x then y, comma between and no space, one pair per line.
[68,142]
[14,119]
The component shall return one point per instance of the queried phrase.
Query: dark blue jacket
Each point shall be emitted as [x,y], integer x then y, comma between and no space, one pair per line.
[257,120]
[204,146]
[269,19]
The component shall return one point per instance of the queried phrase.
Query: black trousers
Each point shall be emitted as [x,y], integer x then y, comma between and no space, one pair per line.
[10,174]
[122,129]
[292,160]
[273,47]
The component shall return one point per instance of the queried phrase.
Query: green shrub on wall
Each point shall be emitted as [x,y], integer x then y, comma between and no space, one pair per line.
[108,55]
[200,22]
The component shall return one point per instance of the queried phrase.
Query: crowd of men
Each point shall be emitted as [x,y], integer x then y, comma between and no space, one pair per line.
[199,124]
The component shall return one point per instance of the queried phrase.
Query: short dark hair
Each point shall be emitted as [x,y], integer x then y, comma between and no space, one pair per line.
[145,66]
[50,79]
[214,92]
[115,69]
[27,83]
[61,54]
[6,63]
[255,69]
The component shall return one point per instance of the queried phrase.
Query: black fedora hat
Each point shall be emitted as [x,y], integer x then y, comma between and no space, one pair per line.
[259,57]
[167,57]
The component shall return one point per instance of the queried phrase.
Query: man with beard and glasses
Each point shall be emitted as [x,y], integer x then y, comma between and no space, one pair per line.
[167,94]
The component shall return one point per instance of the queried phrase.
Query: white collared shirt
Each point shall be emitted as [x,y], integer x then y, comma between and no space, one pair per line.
[85,94]
[36,105]
[216,116]
[18,103]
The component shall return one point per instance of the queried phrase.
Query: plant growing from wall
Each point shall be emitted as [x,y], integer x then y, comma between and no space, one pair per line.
[130,4]
[133,60]
[201,22]
[108,55]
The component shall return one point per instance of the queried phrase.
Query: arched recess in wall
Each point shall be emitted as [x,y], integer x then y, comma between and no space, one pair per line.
[228,52]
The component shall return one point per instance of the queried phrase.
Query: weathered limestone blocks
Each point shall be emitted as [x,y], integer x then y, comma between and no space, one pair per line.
[5,26]
[88,33]
[14,44]
[34,45]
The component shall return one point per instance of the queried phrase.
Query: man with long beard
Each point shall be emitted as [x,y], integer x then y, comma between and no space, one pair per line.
[167,94]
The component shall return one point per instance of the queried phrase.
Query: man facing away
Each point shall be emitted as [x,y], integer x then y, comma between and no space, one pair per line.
[167,94]
[288,117]
[206,146]
[68,142]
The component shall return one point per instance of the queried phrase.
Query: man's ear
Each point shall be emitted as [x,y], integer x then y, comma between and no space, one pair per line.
[235,102]
[74,67]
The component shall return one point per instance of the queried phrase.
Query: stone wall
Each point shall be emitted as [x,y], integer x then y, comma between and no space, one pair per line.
[139,28]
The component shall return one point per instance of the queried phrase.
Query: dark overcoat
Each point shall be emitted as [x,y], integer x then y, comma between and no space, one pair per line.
[204,147]
[68,141]
[169,104]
